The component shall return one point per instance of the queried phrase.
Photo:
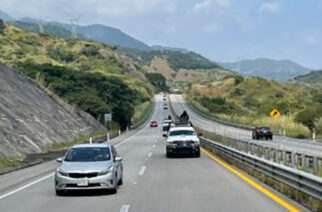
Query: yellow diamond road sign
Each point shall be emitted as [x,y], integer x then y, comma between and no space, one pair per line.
[275,114]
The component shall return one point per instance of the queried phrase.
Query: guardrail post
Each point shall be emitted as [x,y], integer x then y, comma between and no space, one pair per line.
[285,158]
[293,154]
[315,165]
[303,161]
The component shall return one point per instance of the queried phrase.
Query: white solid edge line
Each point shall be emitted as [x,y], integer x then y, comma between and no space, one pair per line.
[26,186]
[125,208]
[129,138]
[142,170]
[150,154]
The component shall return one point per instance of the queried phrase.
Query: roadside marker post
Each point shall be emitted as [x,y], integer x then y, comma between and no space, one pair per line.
[119,132]
[313,135]
[90,140]
[108,137]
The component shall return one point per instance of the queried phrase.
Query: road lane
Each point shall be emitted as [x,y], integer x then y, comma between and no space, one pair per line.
[178,184]
[179,106]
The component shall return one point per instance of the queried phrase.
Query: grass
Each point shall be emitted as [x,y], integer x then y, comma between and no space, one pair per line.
[64,145]
[8,163]
[286,123]
[141,111]
[249,100]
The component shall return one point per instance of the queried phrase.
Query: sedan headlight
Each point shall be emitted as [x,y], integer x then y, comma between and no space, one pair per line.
[62,172]
[105,171]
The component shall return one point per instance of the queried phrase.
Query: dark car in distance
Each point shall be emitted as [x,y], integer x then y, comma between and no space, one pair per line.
[262,132]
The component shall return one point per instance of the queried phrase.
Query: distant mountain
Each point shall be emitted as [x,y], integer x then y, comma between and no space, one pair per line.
[112,36]
[5,16]
[96,32]
[313,78]
[50,28]
[164,48]
[177,66]
[274,69]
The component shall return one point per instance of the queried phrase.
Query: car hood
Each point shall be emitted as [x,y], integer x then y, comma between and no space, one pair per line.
[85,166]
[183,138]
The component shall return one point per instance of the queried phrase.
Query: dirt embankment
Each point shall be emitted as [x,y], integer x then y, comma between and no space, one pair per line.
[30,120]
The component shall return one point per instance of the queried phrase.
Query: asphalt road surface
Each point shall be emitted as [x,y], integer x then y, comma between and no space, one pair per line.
[297,145]
[152,183]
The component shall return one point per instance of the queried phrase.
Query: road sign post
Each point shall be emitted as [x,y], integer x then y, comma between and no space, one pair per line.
[108,119]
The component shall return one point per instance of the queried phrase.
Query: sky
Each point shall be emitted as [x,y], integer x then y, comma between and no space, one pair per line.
[222,30]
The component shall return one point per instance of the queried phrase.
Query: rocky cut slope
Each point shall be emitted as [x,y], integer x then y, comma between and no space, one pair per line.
[30,120]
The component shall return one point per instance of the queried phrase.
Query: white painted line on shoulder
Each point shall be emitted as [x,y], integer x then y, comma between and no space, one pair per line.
[142,170]
[125,208]
[150,154]
[129,138]
[26,186]
[153,146]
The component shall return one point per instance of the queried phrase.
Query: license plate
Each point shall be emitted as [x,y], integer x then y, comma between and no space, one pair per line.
[82,183]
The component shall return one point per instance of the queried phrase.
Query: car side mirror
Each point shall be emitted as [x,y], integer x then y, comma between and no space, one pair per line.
[118,159]
[59,160]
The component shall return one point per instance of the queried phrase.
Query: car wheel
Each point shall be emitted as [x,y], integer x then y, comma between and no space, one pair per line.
[197,155]
[271,137]
[121,180]
[115,187]
[60,192]
[169,155]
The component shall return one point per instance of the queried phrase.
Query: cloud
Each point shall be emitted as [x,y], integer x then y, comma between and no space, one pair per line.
[213,28]
[269,7]
[206,4]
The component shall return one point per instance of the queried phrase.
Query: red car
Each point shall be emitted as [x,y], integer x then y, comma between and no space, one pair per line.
[153,124]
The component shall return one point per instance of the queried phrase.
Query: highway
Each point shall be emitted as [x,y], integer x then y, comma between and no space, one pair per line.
[152,183]
[310,147]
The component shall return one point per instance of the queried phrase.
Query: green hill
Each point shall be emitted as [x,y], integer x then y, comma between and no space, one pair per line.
[249,100]
[177,66]
[88,74]
[314,78]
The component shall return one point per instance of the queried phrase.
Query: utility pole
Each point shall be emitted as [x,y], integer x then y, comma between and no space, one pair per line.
[74,23]
[40,26]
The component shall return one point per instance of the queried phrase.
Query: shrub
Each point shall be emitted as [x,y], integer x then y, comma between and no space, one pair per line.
[318,127]
[61,54]
[90,51]
[309,116]
[238,79]
[279,94]
[92,92]
[238,92]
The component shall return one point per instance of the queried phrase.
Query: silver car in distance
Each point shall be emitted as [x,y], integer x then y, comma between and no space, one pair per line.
[89,166]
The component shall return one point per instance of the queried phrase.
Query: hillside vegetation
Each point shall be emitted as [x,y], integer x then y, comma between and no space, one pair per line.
[88,74]
[312,79]
[249,100]
[179,66]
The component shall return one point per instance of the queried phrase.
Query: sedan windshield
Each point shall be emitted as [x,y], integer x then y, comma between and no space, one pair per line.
[88,154]
[182,132]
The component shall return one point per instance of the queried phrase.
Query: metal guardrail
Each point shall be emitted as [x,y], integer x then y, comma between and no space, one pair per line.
[230,124]
[302,181]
